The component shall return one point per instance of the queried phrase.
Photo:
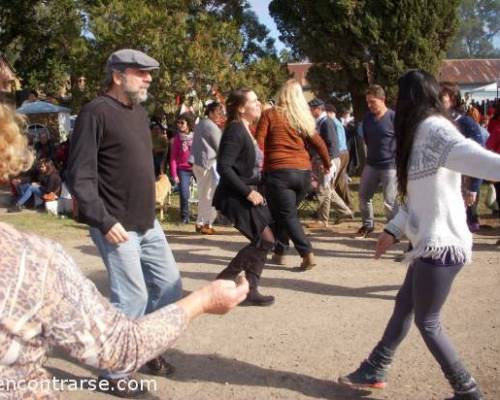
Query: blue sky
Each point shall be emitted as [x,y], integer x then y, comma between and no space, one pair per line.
[261,8]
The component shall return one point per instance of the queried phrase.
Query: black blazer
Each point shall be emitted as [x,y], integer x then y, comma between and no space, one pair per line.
[235,163]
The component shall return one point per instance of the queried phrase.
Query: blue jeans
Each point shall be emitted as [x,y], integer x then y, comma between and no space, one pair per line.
[142,272]
[184,181]
[27,190]
[371,178]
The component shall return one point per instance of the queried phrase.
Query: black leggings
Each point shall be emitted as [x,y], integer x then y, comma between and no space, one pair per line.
[423,294]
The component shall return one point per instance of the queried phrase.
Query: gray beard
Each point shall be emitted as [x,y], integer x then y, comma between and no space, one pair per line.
[136,97]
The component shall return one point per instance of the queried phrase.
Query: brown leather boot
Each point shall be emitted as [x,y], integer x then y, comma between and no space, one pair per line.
[278,259]
[308,262]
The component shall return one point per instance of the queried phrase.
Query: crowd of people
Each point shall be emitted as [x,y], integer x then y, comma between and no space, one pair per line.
[253,165]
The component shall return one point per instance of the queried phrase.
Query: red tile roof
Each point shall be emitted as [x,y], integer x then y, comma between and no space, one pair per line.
[473,71]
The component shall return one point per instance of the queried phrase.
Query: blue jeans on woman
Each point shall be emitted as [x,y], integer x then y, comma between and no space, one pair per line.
[184,181]
[142,273]
[27,190]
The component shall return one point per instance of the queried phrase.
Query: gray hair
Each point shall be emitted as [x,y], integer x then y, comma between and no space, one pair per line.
[107,81]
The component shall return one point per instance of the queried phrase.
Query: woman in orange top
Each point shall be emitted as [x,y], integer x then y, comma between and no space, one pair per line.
[284,132]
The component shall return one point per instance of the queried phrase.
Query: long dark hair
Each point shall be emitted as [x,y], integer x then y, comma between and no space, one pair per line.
[418,98]
[236,99]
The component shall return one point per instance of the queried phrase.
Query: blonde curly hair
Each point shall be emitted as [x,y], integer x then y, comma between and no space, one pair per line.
[15,155]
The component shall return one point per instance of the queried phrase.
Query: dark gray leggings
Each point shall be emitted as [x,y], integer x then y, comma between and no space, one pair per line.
[422,295]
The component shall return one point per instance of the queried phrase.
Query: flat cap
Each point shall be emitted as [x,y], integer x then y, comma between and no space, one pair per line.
[129,58]
[316,103]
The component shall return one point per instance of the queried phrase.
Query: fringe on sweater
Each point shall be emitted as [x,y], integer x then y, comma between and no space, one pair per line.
[452,253]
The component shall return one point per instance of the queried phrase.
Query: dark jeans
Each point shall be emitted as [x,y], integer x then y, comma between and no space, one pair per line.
[184,181]
[422,296]
[285,189]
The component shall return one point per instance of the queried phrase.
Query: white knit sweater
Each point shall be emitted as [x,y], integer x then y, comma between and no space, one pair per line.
[434,217]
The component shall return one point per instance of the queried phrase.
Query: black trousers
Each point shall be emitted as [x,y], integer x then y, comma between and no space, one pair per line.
[285,189]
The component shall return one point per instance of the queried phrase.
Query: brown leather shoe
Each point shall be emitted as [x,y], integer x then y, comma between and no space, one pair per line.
[317,225]
[363,232]
[208,230]
[308,262]
[159,367]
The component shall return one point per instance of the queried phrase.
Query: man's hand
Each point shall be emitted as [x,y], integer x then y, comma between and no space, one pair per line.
[255,198]
[117,234]
[384,242]
[470,198]
[176,180]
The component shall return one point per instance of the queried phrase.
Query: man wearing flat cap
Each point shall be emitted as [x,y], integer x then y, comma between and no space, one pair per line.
[111,175]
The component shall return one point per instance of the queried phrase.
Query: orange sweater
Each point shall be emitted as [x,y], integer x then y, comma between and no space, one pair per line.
[283,147]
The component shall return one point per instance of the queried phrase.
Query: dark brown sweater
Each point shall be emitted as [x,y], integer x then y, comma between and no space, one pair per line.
[282,145]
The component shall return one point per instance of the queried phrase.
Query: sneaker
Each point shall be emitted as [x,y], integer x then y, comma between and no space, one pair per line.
[366,376]
[363,232]
[15,209]
[317,225]
[464,386]
[476,395]
[159,367]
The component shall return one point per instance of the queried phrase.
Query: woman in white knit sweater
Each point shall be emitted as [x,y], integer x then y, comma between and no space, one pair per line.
[431,156]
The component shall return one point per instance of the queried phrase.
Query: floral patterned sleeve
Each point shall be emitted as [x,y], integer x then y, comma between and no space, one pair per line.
[84,323]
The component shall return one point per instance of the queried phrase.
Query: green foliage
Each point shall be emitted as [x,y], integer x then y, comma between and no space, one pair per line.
[356,43]
[42,40]
[479,25]
[202,45]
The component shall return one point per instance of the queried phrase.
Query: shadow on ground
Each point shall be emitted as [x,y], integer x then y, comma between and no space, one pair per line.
[223,370]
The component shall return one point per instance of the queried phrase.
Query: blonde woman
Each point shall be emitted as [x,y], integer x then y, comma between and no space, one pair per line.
[283,133]
[45,300]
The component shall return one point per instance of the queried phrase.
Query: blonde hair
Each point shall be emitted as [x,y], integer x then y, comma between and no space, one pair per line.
[15,155]
[293,105]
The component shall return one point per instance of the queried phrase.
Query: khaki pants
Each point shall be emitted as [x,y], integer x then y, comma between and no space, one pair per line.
[205,180]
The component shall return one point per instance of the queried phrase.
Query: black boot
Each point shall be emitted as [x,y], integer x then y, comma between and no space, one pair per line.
[254,298]
[238,264]
[464,385]
[253,271]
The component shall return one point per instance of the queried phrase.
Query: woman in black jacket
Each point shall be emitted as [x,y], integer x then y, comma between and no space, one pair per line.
[237,196]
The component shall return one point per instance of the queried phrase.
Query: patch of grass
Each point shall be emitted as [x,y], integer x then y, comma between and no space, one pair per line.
[66,228]
[44,224]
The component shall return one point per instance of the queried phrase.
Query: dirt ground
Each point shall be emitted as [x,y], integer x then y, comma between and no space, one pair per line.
[324,322]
